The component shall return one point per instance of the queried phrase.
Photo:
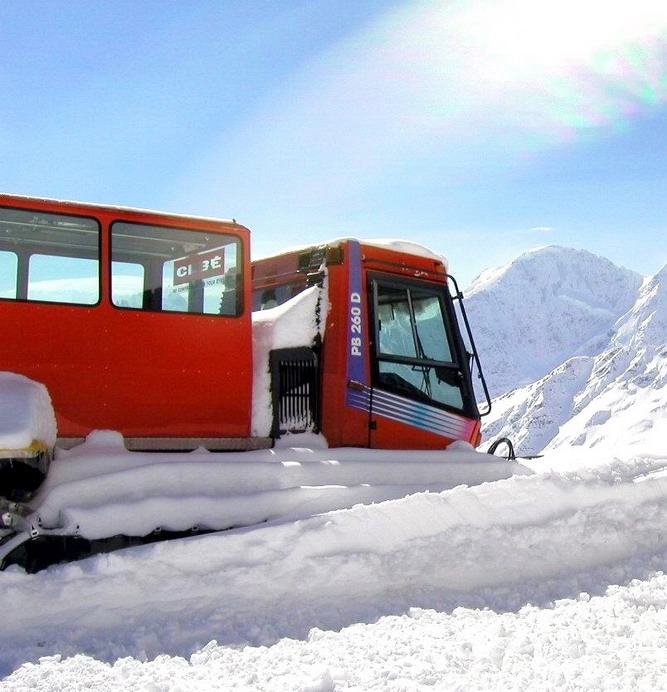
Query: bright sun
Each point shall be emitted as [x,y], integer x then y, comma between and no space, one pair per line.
[520,35]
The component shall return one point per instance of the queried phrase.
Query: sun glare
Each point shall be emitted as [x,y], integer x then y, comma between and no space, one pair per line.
[567,65]
[525,35]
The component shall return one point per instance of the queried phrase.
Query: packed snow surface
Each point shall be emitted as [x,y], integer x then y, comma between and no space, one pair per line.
[551,580]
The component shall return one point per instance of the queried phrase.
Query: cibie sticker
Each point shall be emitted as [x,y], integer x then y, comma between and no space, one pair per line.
[199,267]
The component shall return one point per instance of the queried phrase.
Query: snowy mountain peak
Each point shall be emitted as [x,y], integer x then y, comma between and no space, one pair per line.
[566,273]
[614,398]
[548,305]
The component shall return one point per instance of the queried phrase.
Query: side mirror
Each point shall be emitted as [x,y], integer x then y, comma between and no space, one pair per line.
[449,376]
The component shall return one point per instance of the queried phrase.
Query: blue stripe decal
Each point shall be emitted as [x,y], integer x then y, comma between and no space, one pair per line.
[356,318]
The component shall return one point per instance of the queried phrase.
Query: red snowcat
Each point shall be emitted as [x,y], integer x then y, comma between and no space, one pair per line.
[157,326]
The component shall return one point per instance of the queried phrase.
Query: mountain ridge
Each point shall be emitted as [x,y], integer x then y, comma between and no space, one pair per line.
[596,374]
[547,305]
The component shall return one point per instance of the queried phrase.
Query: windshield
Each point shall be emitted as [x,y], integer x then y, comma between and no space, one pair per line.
[414,340]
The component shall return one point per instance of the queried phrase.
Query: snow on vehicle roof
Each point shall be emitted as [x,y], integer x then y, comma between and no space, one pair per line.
[97,205]
[407,246]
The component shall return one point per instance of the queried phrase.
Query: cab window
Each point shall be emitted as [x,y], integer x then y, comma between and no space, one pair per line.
[8,267]
[414,356]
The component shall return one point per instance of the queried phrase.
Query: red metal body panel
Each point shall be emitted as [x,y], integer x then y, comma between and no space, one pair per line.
[341,425]
[350,414]
[145,374]
[386,432]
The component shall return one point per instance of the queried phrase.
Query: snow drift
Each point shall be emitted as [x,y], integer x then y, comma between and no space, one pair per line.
[255,586]
[26,413]
[99,489]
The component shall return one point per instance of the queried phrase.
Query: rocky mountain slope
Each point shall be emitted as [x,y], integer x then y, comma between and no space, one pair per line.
[593,374]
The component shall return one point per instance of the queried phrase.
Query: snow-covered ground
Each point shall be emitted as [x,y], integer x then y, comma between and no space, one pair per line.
[549,581]
[546,581]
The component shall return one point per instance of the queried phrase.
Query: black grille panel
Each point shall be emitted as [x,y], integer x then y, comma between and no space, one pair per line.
[295,391]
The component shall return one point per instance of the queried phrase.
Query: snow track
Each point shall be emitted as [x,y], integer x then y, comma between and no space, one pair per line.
[99,489]
[281,579]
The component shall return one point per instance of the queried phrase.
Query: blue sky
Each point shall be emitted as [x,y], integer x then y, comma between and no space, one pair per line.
[478,128]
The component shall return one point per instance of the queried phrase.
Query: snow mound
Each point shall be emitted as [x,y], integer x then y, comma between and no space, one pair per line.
[26,413]
[100,489]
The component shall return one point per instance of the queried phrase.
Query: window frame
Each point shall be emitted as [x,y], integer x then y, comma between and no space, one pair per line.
[25,252]
[457,367]
[157,269]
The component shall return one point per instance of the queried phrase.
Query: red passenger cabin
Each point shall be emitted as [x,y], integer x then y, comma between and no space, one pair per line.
[135,321]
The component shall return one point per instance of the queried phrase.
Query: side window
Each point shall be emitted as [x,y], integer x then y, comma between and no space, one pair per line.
[160,268]
[396,336]
[8,274]
[411,323]
[57,279]
[413,345]
[49,257]
[272,296]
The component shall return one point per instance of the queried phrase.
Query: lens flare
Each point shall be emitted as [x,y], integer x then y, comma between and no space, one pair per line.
[567,66]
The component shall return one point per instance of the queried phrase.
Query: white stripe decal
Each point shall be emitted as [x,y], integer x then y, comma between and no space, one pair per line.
[413,413]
